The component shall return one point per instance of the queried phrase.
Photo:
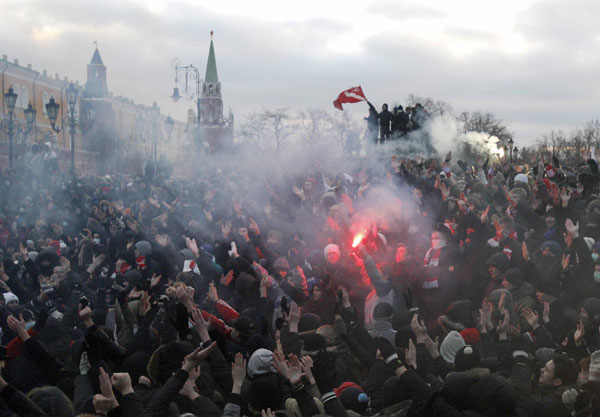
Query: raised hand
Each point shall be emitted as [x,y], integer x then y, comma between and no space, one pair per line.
[307,363]
[295,371]
[579,333]
[106,388]
[532,317]
[572,229]
[122,382]
[212,294]
[238,373]
[410,354]
[525,251]
[191,245]
[418,329]
[200,324]
[193,359]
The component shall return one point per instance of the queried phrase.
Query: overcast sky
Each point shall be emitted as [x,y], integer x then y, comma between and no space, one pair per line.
[535,64]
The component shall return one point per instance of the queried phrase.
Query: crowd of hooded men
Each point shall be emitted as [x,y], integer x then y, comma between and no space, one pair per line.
[475,290]
[385,125]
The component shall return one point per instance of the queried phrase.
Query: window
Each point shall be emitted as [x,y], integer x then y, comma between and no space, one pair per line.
[17,91]
[24,97]
[45,100]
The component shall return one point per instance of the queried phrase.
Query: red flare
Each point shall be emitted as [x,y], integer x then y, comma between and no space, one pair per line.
[357,239]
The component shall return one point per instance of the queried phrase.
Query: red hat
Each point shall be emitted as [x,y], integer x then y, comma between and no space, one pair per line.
[338,391]
[471,336]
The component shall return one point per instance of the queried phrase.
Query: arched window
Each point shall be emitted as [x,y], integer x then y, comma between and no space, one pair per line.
[45,100]
[210,89]
[17,91]
[24,97]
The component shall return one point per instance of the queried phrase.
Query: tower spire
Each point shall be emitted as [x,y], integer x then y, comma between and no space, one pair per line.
[211,66]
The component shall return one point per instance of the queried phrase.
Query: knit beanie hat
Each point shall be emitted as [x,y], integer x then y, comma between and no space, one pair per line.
[514,276]
[594,373]
[383,311]
[309,321]
[144,247]
[332,247]
[471,336]
[548,286]
[353,398]
[467,358]
[452,343]
[553,246]
[261,362]
[521,178]
[9,296]
[544,354]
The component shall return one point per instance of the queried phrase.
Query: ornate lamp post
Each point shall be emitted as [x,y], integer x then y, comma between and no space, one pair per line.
[10,99]
[169,123]
[191,74]
[155,115]
[510,149]
[52,109]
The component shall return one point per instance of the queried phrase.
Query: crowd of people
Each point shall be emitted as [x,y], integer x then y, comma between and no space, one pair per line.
[386,125]
[396,287]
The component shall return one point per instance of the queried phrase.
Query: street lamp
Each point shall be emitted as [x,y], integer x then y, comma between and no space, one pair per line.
[52,109]
[169,123]
[510,149]
[30,113]
[191,74]
[154,114]
[10,99]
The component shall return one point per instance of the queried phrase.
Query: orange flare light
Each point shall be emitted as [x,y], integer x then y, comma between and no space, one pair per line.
[357,239]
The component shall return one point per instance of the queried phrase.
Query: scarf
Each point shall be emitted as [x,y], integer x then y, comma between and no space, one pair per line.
[432,260]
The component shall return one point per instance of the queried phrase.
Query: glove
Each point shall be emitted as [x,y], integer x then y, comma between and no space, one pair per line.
[390,357]
[569,397]
[323,372]
[348,314]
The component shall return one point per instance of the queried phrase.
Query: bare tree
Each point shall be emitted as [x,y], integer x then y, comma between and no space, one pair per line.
[485,123]
[254,129]
[433,107]
[278,121]
[347,131]
[316,125]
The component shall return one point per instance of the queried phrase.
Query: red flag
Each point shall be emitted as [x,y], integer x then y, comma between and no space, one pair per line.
[352,95]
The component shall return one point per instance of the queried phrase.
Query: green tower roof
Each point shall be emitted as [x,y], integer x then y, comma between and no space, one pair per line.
[96,60]
[211,66]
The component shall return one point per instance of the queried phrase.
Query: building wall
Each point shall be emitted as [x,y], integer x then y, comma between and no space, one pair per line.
[37,87]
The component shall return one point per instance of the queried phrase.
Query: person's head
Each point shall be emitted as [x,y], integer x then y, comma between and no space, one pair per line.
[507,226]
[559,371]
[332,253]
[53,401]
[11,302]
[517,195]
[550,218]
[417,194]
[497,264]
[317,292]
[550,249]
[547,290]
[438,239]
[384,107]
[512,279]
[401,253]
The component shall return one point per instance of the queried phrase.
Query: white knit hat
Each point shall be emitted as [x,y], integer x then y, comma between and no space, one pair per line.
[452,343]
[332,247]
[594,372]
[521,178]
[9,296]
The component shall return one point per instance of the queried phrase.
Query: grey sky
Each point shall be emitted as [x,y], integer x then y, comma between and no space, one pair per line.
[532,63]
